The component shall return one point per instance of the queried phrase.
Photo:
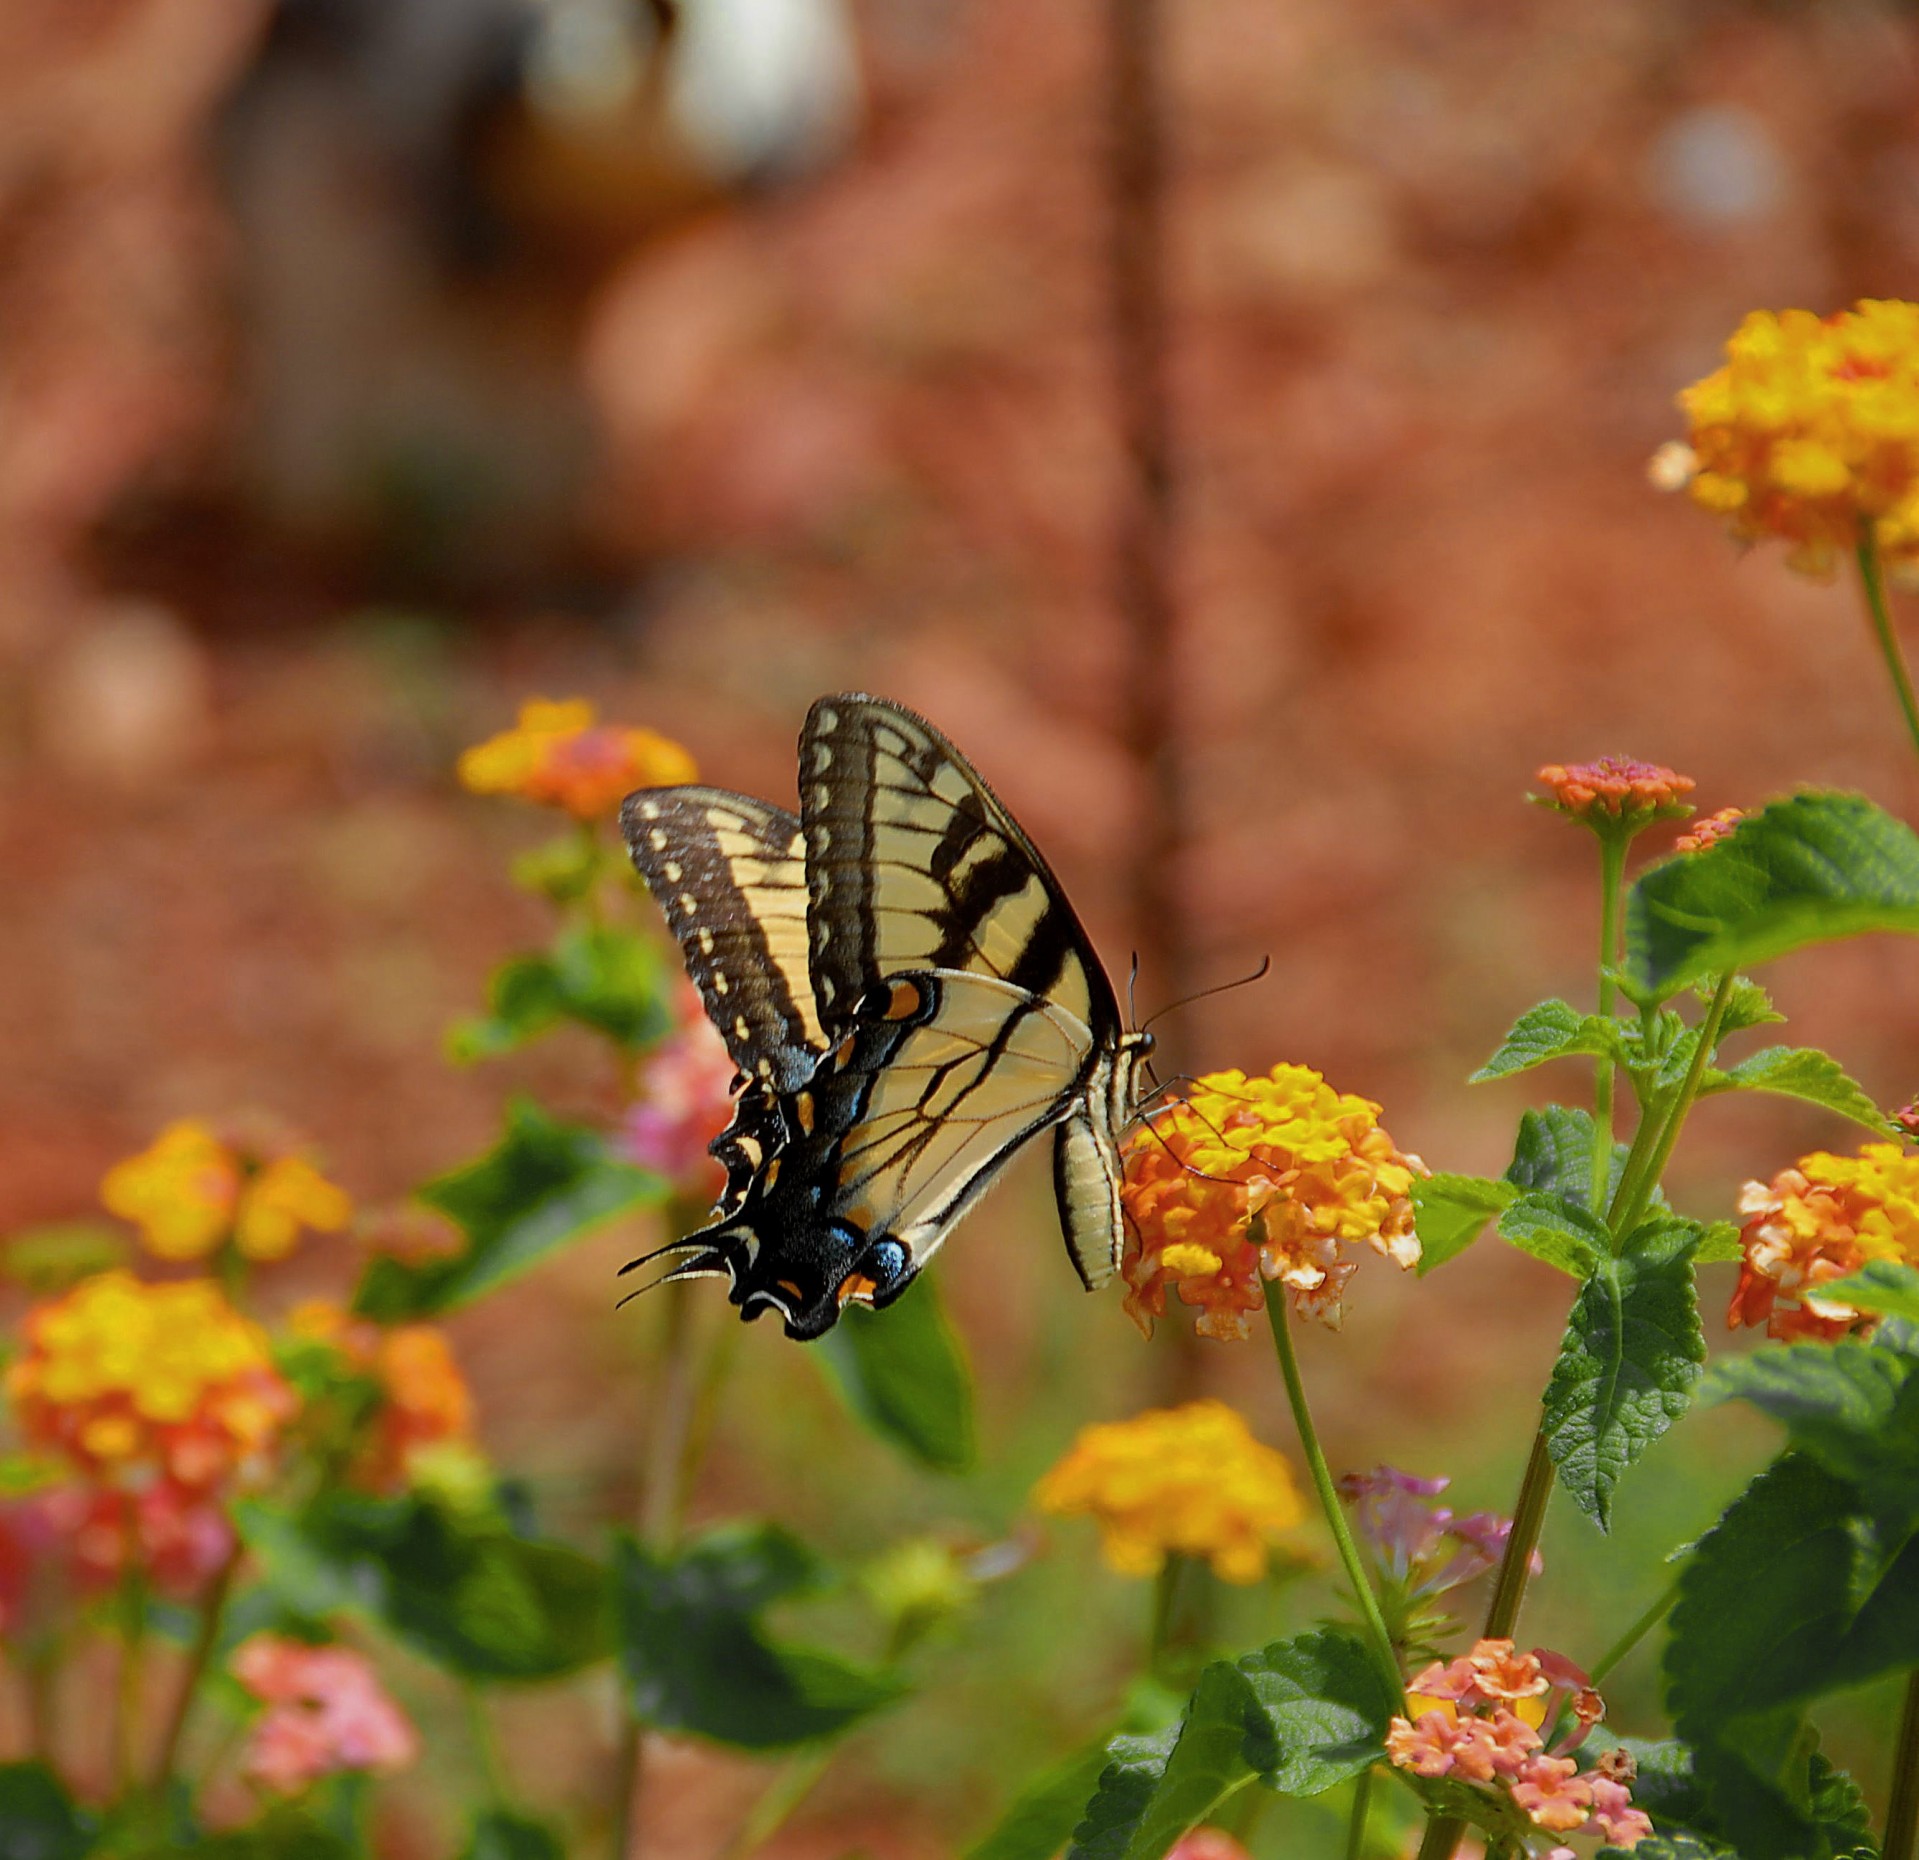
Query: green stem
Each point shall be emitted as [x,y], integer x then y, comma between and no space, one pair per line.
[1277,1318]
[1634,1196]
[486,1745]
[1902,1812]
[1515,1567]
[1624,1645]
[1872,581]
[629,1764]
[1442,1836]
[206,1638]
[1612,871]
[133,1666]
[774,1809]
[1159,1632]
[1356,1827]
[40,1673]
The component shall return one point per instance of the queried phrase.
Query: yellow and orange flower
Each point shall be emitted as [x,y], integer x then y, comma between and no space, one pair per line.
[1710,831]
[1820,1221]
[1249,1179]
[558,756]
[1810,433]
[1189,1481]
[425,1402]
[1615,791]
[191,1190]
[128,1381]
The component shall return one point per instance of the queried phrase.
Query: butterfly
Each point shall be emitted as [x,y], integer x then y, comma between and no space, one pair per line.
[909,999]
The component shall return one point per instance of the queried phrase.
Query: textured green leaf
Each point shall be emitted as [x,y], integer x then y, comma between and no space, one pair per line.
[1321,1711]
[1626,1370]
[1670,1847]
[38,1819]
[600,976]
[1719,1244]
[1559,1232]
[544,1184]
[1801,1072]
[1553,1152]
[1450,1210]
[1747,1005]
[499,1834]
[1552,1030]
[459,1588]
[1883,1286]
[904,1374]
[697,1659]
[1042,1817]
[1134,1765]
[1207,1765]
[1806,870]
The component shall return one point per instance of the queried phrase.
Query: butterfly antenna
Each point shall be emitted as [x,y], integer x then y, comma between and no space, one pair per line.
[1145,1120]
[660,1252]
[1218,988]
[1132,982]
[692,1269]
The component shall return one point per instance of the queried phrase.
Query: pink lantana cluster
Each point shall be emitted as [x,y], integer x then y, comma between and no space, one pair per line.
[684,1102]
[1422,1548]
[1478,1720]
[326,1711]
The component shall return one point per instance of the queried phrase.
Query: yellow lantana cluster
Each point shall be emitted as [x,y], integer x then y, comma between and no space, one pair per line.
[190,1191]
[1809,431]
[1820,1221]
[1248,1179]
[1189,1481]
[128,1381]
[558,756]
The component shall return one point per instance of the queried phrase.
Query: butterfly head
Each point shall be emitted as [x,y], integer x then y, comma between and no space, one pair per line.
[813,1277]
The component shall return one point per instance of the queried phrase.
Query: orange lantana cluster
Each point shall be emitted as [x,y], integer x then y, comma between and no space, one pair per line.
[1478,1719]
[1710,831]
[1250,1179]
[1819,1221]
[1615,791]
[558,756]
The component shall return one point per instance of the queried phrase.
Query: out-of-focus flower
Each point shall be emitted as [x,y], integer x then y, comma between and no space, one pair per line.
[326,1712]
[684,1100]
[558,756]
[192,1189]
[425,1404]
[1810,432]
[1189,1481]
[1247,1179]
[409,1232]
[1421,1549]
[1477,1720]
[1207,1844]
[1710,831]
[1907,1118]
[128,1381]
[1819,1221]
[1614,794]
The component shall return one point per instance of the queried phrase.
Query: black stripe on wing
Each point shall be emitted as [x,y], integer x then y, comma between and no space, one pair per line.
[729,872]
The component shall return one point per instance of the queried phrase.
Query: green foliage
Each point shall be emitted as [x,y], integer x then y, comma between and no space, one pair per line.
[1632,1353]
[1552,1155]
[1800,1072]
[46,1260]
[697,1657]
[1298,1717]
[458,1587]
[38,1819]
[1450,1211]
[1559,1232]
[1807,870]
[597,976]
[499,1834]
[1552,1030]
[1044,1814]
[1881,1285]
[1134,1766]
[545,1183]
[1747,1005]
[905,1374]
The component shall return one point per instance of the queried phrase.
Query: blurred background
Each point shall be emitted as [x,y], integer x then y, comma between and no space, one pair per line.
[369,365]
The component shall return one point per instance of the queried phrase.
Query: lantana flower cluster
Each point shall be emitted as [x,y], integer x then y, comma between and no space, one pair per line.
[1249,1179]
[194,1189]
[1188,1481]
[1480,1720]
[326,1712]
[560,755]
[1709,831]
[1810,433]
[683,1101]
[1821,1220]
[1615,793]
[1421,1549]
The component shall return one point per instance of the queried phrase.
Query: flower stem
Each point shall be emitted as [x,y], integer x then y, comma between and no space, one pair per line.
[1624,1645]
[133,1668]
[1277,1318]
[1872,581]
[486,1744]
[1902,1812]
[1635,1194]
[775,1808]
[206,1638]
[1159,1632]
[1612,869]
[1515,1567]
[1356,1827]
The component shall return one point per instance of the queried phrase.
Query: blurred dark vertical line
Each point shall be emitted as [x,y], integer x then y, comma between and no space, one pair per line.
[1145,538]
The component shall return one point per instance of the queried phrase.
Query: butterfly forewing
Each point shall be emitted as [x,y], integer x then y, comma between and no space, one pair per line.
[730,875]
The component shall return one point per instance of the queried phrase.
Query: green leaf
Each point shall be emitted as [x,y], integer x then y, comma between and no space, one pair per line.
[38,1819]
[1632,1353]
[544,1184]
[1552,1030]
[1134,1766]
[1854,1407]
[1208,1762]
[1718,1244]
[1669,1847]
[1559,1232]
[1807,870]
[460,1589]
[697,1659]
[600,976]
[499,1834]
[47,1259]
[1450,1210]
[1553,1152]
[1801,1072]
[1881,1285]
[1042,1817]
[1747,1005]
[903,1372]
